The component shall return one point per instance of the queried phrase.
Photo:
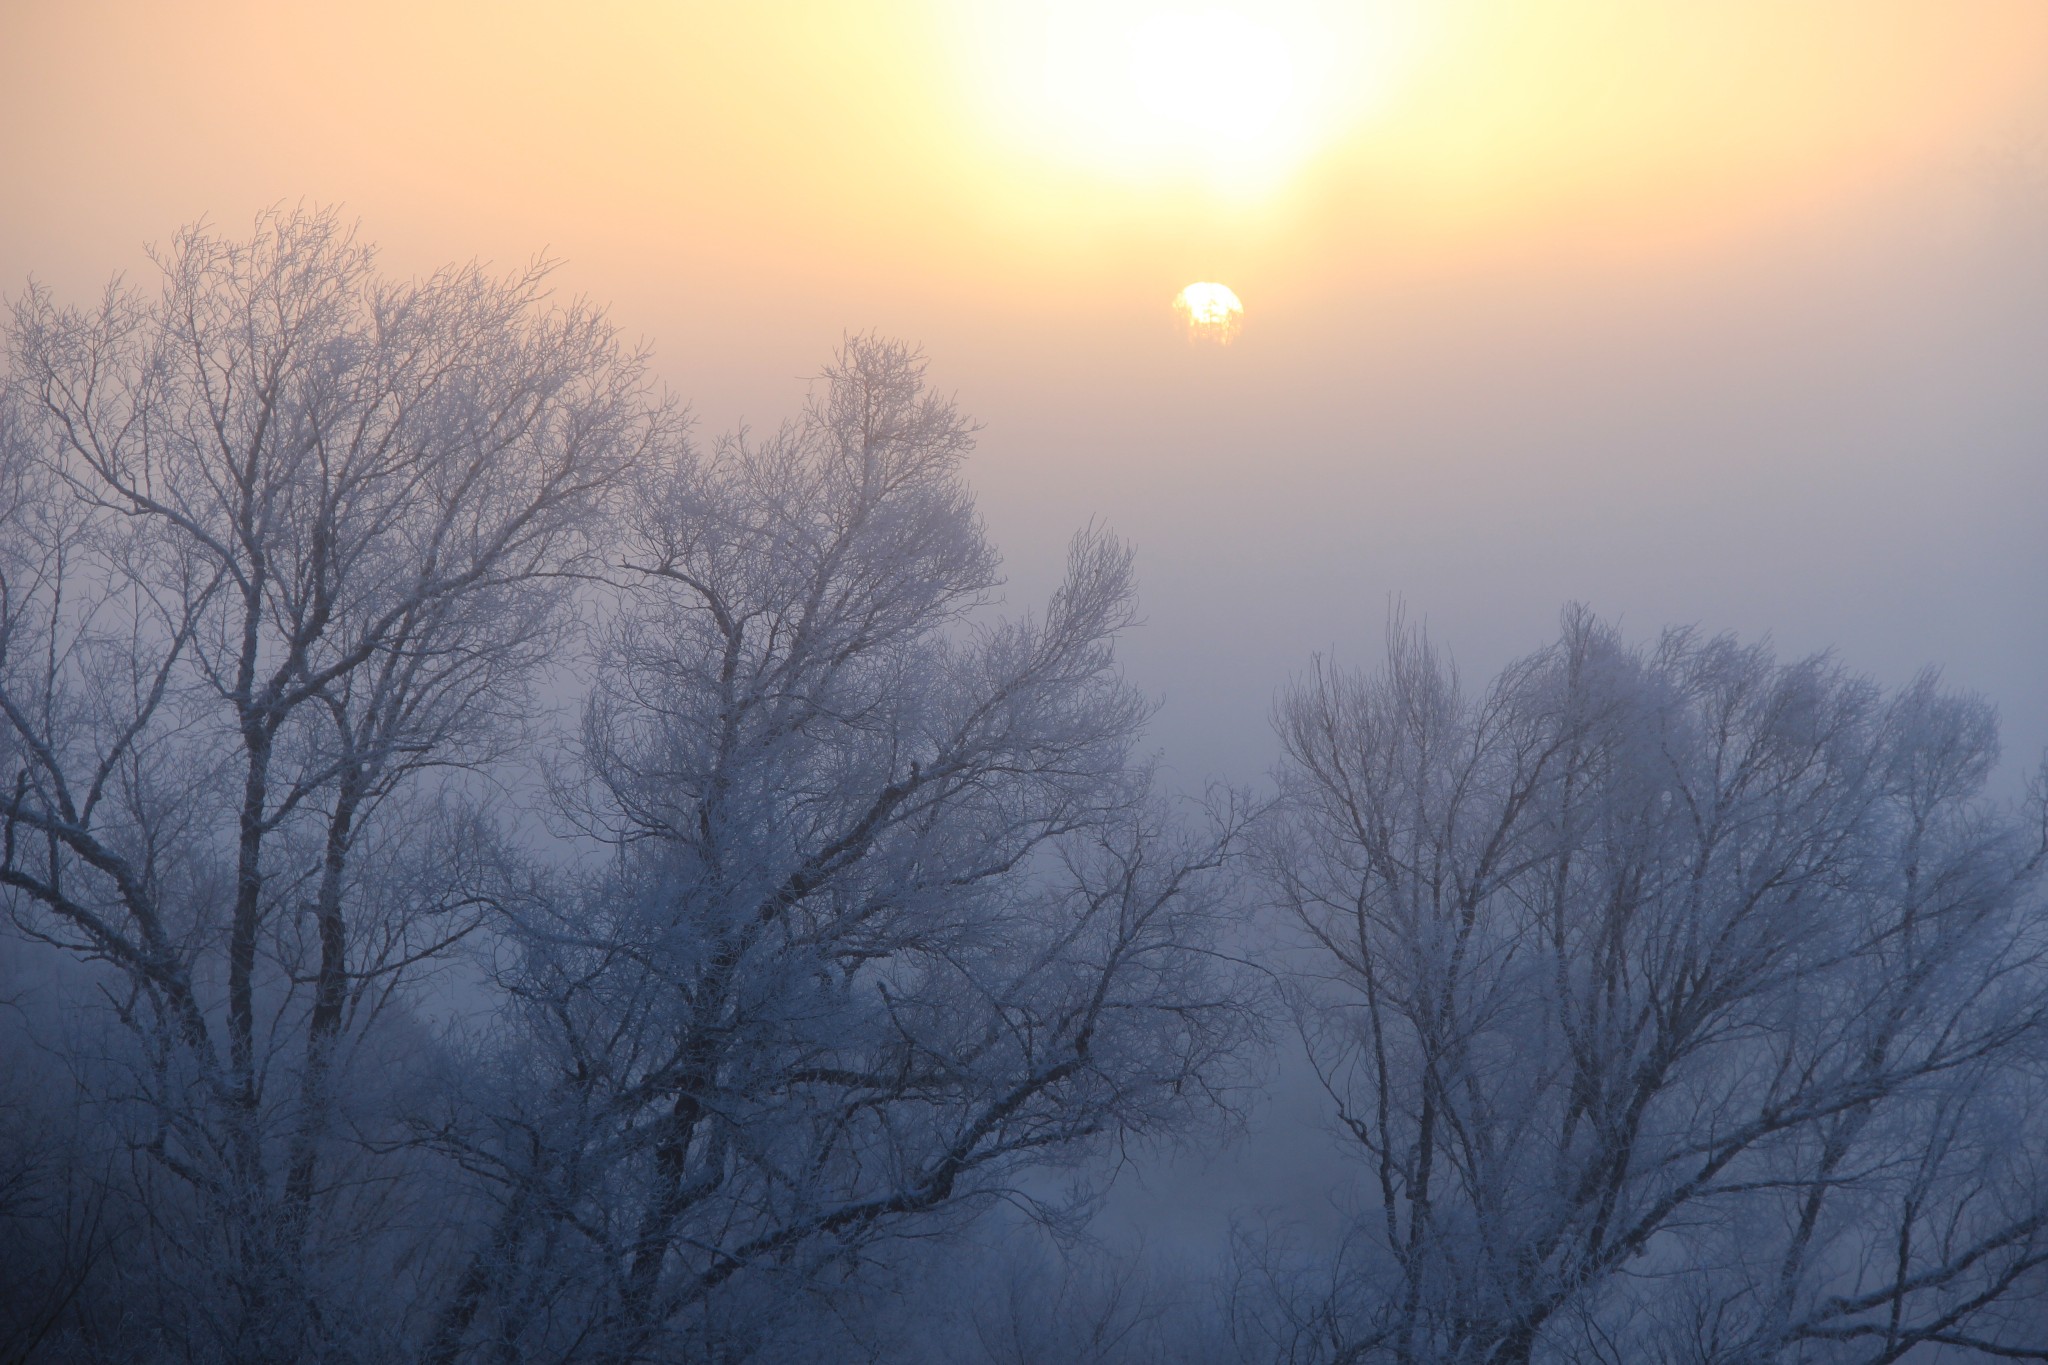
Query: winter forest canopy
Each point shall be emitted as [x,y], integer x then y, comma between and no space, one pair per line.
[492,875]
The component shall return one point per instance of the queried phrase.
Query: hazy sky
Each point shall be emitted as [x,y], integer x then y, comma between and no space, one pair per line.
[1732,314]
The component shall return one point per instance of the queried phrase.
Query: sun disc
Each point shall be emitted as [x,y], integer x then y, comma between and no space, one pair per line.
[1212,312]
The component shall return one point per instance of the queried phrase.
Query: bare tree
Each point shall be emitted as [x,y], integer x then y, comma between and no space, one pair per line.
[890,915]
[285,540]
[1678,1004]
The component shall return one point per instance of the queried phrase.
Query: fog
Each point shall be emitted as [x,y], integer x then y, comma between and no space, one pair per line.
[1781,383]
[1834,439]
[1776,382]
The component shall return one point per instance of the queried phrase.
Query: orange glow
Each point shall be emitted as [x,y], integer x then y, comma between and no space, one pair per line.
[1056,161]
[1233,98]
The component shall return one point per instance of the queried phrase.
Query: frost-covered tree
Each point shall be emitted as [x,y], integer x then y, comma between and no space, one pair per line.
[1677,1004]
[282,543]
[891,916]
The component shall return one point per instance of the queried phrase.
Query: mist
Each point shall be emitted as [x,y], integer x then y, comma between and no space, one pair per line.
[1729,328]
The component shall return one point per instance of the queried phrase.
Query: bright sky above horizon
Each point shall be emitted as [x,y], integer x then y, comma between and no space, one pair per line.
[1031,151]
[1728,313]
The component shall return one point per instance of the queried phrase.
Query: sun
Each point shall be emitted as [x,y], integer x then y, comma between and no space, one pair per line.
[1212,312]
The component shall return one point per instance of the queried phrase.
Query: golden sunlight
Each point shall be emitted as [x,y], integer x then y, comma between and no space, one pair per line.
[1219,76]
[1236,97]
[1212,312]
